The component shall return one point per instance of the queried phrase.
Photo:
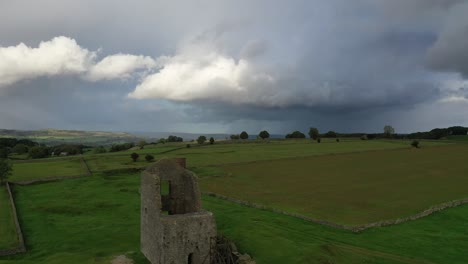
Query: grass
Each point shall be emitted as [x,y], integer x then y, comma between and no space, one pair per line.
[273,238]
[90,220]
[353,188]
[8,237]
[93,219]
[46,168]
[211,155]
[85,220]
[461,138]
[113,162]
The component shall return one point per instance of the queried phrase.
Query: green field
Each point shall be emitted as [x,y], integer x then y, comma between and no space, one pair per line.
[86,220]
[46,168]
[90,220]
[199,157]
[8,238]
[93,219]
[353,188]
[273,238]
[458,138]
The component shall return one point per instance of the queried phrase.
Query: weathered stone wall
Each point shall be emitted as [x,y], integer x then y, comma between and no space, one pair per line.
[184,194]
[150,238]
[187,232]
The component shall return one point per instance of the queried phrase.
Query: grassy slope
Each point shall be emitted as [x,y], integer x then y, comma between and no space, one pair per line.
[8,238]
[353,188]
[37,169]
[89,220]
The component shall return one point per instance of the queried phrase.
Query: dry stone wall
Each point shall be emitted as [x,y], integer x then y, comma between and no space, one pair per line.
[356,229]
[21,246]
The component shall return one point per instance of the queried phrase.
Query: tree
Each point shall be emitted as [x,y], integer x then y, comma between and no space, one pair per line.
[331,134]
[38,152]
[233,137]
[134,156]
[244,135]
[457,130]
[201,139]
[296,134]
[313,133]
[149,157]
[20,149]
[319,140]
[142,144]
[3,153]
[212,140]
[5,170]
[99,150]
[264,134]
[70,149]
[172,138]
[121,147]
[388,131]
[415,144]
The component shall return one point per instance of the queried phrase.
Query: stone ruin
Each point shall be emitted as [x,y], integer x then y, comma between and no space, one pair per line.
[174,228]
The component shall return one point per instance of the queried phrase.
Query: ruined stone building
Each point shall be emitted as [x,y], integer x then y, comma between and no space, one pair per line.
[174,228]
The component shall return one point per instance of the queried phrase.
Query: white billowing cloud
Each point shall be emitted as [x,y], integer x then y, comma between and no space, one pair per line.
[454,99]
[212,76]
[61,55]
[119,66]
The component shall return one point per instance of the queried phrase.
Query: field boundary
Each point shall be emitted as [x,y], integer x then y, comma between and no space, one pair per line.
[427,212]
[311,156]
[85,165]
[21,248]
[44,160]
[274,210]
[356,228]
[57,178]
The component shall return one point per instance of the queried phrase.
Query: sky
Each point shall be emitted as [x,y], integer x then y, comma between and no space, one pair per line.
[212,66]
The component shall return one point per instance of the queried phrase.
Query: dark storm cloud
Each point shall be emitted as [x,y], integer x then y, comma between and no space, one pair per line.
[450,52]
[342,65]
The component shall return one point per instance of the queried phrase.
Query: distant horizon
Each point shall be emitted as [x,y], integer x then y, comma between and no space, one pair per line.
[219,133]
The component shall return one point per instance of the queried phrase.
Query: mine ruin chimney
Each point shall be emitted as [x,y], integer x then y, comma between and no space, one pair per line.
[174,227]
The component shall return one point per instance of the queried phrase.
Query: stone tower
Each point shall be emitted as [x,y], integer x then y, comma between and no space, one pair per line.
[174,228]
